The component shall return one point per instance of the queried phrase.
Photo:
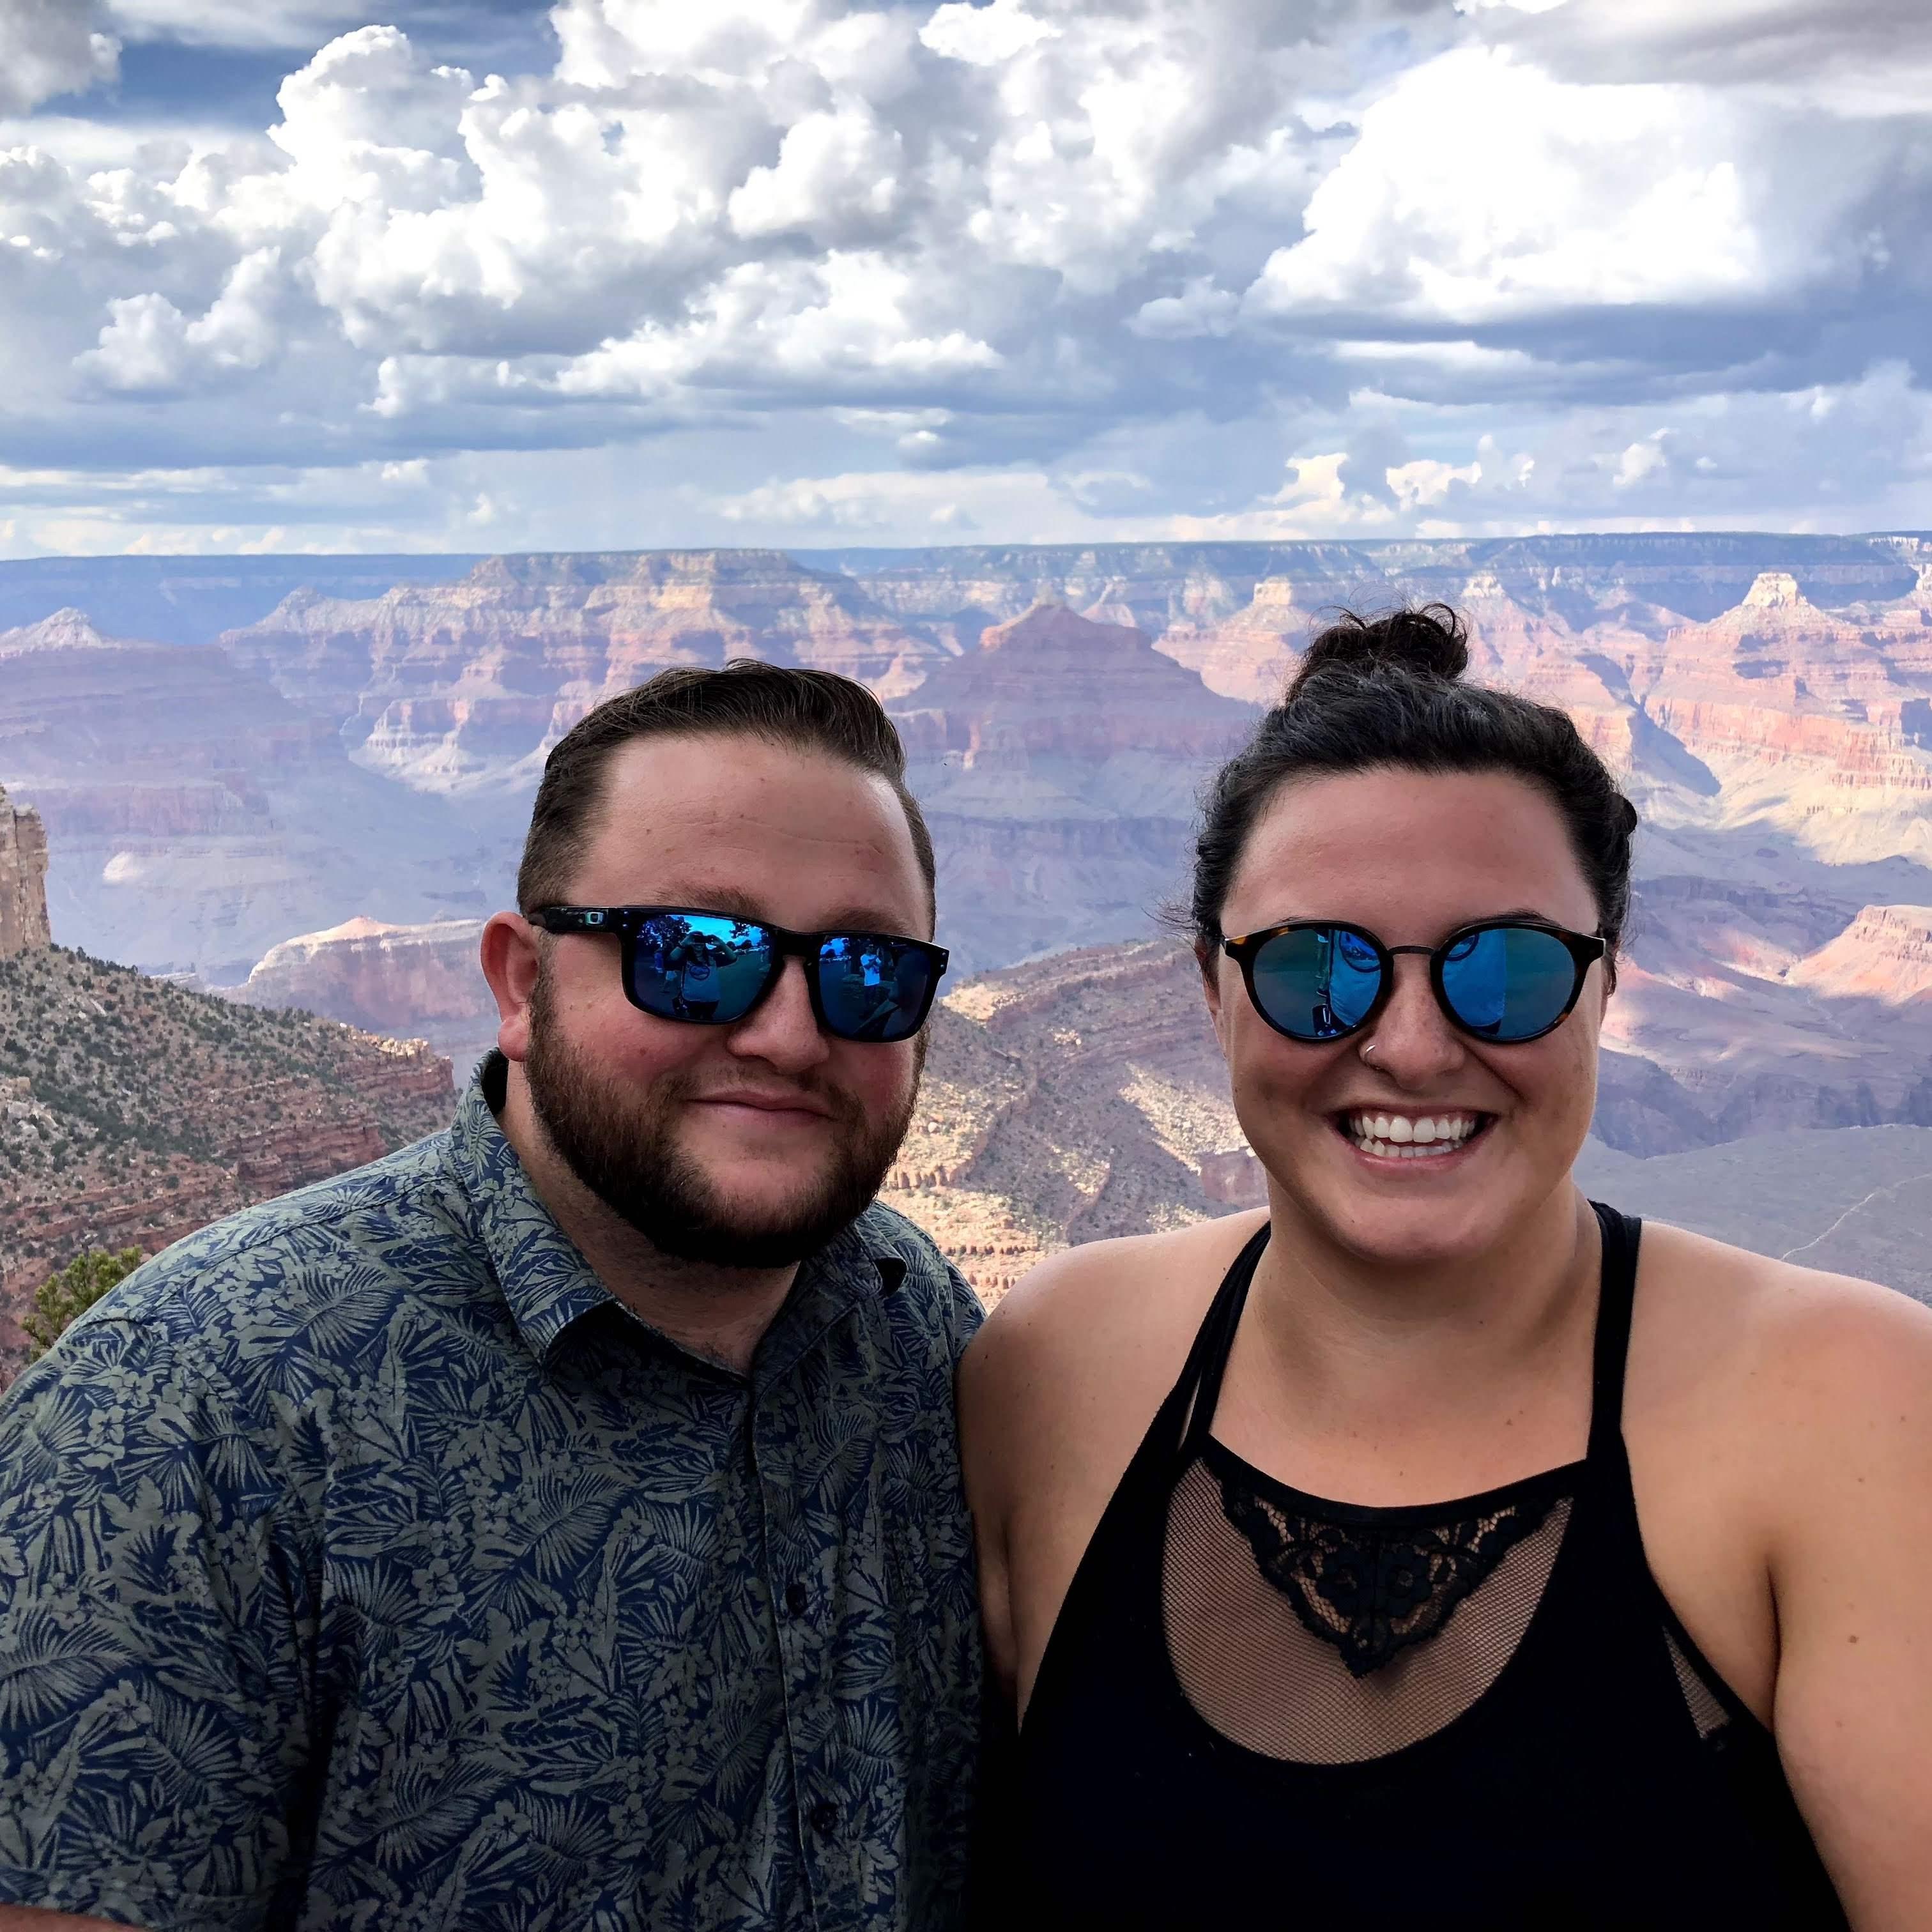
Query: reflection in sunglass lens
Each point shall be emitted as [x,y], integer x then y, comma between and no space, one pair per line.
[1508,982]
[873,987]
[694,966]
[1317,982]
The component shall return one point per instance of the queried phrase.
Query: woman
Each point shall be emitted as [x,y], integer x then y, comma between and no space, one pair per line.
[1667,1658]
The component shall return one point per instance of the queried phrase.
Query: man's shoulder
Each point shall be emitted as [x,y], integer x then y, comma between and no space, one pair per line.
[314,1272]
[930,1282]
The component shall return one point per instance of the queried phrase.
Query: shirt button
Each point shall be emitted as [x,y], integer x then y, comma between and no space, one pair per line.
[825,1817]
[798,1599]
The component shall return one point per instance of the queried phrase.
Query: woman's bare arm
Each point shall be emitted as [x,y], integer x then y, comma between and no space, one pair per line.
[986,1431]
[31,1919]
[1851,1572]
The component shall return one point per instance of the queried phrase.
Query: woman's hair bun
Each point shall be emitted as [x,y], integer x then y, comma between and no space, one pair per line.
[1426,641]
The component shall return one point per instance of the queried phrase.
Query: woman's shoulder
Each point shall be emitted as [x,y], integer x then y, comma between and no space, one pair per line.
[1093,1332]
[1773,1346]
[1087,1301]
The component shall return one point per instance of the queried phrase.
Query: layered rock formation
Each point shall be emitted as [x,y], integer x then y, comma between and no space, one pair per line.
[1066,1100]
[1057,764]
[192,600]
[23,879]
[461,686]
[387,979]
[1768,701]
[1643,580]
[133,1111]
[195,817]
[1885,955]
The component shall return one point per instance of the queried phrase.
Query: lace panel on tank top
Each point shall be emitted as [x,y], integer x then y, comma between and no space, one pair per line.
[1328,1636]
[1372,1582]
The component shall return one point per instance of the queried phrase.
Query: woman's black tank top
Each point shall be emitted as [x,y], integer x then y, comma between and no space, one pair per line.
[1259,1708]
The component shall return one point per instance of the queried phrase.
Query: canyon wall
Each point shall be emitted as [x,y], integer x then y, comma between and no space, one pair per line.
[133,1110]
[1766,700]
[196,817]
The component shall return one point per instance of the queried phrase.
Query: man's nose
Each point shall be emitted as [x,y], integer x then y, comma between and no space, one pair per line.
[1414,1042]
[781,1029]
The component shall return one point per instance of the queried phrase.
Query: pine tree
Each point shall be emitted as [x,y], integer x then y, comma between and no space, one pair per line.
[64,1297]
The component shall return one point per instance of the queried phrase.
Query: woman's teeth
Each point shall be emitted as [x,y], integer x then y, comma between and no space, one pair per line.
[1403,1137]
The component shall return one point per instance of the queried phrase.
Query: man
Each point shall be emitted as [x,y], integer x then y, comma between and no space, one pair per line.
[558,1524]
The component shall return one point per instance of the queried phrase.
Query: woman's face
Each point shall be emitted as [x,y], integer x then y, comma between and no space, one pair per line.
[1411,856]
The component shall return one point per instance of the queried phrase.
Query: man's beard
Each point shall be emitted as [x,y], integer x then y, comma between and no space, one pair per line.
[621,1142]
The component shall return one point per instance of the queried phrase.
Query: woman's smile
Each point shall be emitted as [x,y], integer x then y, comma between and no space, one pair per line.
[1386,1136]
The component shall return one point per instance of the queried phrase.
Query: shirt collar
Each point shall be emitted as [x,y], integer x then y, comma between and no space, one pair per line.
[546,1283]
[548,1286]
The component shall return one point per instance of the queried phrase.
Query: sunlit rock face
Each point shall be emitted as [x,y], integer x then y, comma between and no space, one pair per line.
[1885,955]
[465,686]
[406,980]
[23,879]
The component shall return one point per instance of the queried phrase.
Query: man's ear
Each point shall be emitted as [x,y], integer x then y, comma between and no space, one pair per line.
[510,964]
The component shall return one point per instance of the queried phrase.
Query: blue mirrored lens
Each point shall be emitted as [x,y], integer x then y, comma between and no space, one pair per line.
[873,987]
[1508,982]
[697,966]
[1318,982]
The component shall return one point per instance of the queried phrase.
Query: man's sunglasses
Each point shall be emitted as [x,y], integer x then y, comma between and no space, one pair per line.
[711,969]
[1505,980]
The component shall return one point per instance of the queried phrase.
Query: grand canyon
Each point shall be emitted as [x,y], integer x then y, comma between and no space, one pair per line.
[304,792]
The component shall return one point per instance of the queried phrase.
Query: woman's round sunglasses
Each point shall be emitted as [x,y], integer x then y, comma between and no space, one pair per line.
[711,970]
[1506,980]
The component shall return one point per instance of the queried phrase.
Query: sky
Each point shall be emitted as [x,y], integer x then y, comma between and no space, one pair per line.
[283,275]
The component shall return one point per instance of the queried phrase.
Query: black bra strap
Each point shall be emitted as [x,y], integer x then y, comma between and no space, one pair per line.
[1208,1361]
[1615,1298]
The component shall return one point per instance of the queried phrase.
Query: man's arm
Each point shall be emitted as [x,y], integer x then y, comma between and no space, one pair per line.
[1852,1571]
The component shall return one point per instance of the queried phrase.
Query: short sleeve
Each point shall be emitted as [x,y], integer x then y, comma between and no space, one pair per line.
[966,1311]
[157,1622]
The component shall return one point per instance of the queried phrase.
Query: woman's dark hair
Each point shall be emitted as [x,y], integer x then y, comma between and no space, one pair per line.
[801,710]
[1386,692]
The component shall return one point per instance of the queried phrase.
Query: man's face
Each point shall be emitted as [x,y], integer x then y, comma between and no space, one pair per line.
[749,1145]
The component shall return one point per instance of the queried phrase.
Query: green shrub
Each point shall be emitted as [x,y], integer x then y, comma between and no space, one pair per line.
[64,1297]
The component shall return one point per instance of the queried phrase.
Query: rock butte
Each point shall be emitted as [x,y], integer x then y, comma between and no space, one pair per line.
[23,879]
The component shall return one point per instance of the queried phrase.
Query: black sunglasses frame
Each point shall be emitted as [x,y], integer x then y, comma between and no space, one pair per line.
[1585,948]
[627,923]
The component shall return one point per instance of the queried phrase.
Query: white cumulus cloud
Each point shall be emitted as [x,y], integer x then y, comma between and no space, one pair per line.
[50,47]
[1482,188]
[1143,259]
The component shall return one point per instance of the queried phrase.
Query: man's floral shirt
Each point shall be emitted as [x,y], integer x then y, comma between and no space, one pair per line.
[364,1566]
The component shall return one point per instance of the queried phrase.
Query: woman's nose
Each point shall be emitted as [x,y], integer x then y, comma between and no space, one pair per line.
[1414,1042]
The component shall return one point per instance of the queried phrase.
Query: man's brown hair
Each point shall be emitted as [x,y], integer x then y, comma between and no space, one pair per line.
[800,710]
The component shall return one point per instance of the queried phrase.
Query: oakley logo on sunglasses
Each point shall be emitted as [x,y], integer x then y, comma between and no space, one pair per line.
[1504,980]
[710,969]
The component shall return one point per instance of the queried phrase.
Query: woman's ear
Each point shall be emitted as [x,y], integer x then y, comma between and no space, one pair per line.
[1208,958]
